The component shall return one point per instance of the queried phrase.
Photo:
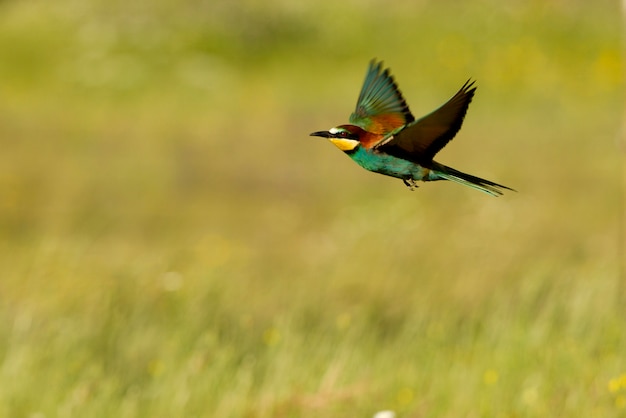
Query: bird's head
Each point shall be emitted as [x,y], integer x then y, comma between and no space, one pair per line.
[346,137]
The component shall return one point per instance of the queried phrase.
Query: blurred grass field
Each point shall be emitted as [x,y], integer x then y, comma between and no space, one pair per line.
[174,244]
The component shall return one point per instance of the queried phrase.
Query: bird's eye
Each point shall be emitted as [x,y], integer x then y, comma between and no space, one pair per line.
[343,134]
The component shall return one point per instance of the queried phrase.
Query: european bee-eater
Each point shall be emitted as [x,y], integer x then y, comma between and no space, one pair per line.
[384,137]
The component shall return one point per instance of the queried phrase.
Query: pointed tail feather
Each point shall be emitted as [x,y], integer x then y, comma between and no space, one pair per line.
[486,186]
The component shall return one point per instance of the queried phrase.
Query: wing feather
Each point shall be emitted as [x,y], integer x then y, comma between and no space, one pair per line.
[425,137]
[381,107]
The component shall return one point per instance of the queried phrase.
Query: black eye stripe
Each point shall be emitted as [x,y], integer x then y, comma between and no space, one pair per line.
[343,134]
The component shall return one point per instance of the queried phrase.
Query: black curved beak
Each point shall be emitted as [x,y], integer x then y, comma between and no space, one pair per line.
[323,134]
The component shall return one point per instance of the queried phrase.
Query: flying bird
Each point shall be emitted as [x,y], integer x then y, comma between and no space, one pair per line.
[384,137]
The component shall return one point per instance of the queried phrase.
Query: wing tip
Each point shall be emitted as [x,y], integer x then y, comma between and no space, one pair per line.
[469,87]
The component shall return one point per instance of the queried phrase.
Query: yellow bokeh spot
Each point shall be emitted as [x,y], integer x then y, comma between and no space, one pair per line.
[609,68]
[530,395]
[614,385]
[271,337]
[490,377]
[617,383]
[405,396]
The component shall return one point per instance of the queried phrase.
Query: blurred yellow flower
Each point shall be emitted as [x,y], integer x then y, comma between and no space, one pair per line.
[617,383]
[609,68]
[405,396]
[490,377]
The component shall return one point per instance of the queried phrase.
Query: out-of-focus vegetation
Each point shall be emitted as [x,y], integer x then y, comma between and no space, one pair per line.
[172,243]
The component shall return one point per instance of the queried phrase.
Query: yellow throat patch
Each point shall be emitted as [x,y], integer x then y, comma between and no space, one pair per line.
[344,144]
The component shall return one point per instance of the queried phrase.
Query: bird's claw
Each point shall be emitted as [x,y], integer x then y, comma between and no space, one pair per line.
[410,183]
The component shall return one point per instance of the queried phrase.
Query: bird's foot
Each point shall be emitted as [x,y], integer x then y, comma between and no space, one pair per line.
[410,183]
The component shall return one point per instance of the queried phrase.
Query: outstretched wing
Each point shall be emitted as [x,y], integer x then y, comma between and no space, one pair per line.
[424,138]
[381,107]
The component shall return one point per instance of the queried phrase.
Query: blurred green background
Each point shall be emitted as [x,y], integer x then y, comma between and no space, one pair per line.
[174,244]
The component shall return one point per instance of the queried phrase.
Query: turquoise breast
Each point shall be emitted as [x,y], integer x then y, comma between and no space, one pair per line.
[387,164]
